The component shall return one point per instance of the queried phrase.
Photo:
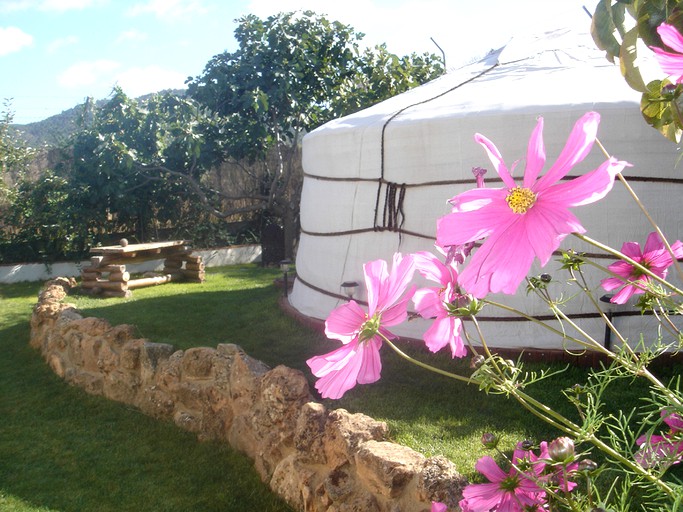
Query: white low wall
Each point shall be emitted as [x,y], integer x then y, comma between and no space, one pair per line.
[41,272]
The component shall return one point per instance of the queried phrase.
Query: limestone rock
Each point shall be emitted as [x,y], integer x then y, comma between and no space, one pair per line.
[439,480]
[387,468]
[309,434]
[345,432]
[198,362]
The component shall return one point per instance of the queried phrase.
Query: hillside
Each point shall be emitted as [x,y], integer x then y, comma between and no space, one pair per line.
[55,130]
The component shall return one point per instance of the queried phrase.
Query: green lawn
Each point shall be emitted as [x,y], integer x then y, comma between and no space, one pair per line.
[82,449]
[63,450]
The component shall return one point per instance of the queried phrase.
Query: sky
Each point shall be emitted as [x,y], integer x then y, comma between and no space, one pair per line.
[56,53]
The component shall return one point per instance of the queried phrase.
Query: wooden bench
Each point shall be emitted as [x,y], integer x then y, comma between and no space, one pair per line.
[107,274]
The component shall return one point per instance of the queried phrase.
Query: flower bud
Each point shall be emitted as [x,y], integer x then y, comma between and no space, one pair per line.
[587,465]
[561,449]
[489,440]
[577,389]
[526,445]
[477,361]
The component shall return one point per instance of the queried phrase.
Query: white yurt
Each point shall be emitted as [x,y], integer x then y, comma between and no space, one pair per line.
[376,181]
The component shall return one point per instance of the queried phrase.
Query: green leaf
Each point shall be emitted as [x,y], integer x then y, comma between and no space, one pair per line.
[603,28]
[660,108]
[628,61]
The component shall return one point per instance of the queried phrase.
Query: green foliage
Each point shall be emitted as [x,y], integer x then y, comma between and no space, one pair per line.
[291,73]
[618,27]
[121,161]
[15,154]
[43,224]
[279,82]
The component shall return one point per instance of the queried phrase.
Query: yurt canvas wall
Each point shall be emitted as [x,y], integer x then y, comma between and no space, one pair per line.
[376,181]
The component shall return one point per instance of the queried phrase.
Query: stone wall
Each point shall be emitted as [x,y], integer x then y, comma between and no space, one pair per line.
[315,458]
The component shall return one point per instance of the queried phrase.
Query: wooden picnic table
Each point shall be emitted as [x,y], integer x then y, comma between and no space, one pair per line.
[107,274]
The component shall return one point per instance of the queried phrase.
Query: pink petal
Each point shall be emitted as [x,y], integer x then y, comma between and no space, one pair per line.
[371,364]
[397,313]
[633,251]
[623,295]
[445,331]
[488,467]
[438,507]
[428,302]
[546,226]
[535,155]
[658,262]
[431,267]
[462,227]
[653,243]
[621,267]
[375,274]
[670,37]
[344,322]
[387,288]
[671,63]
[611,283]
[496,159]
[677,248]
[585,189]
[338,370]
[440,334]
[675,421]
[334,385]
[500,264]
[483,497]
[578,146]
[477,198]
[332,361]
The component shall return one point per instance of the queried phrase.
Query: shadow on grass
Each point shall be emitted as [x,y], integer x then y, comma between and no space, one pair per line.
[248,318]
[63,449]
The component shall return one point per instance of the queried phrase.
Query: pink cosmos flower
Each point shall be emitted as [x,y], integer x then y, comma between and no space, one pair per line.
[670,62]
[438,302]
[655,257]
[357,360]
[527,220]
[663,450]
[507,492]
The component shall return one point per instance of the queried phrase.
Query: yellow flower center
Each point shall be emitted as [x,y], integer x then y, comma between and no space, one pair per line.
[520,199]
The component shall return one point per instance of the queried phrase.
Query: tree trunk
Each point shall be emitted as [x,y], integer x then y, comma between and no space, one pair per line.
[290,233]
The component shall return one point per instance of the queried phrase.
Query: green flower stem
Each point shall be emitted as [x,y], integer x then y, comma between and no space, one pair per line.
[535,407]
[642,206]
[547,415]
[485,346]
[592,344]
[628,260]
[629,364]
[591,297]
[426,366]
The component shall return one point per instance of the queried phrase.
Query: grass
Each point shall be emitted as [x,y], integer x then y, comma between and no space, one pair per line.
[62,450]
[431,414]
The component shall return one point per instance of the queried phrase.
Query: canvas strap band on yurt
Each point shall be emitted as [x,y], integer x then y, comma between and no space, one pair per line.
[393,217]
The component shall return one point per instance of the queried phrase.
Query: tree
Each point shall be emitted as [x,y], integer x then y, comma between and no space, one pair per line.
[291,73]
[122,159]
[15,154]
